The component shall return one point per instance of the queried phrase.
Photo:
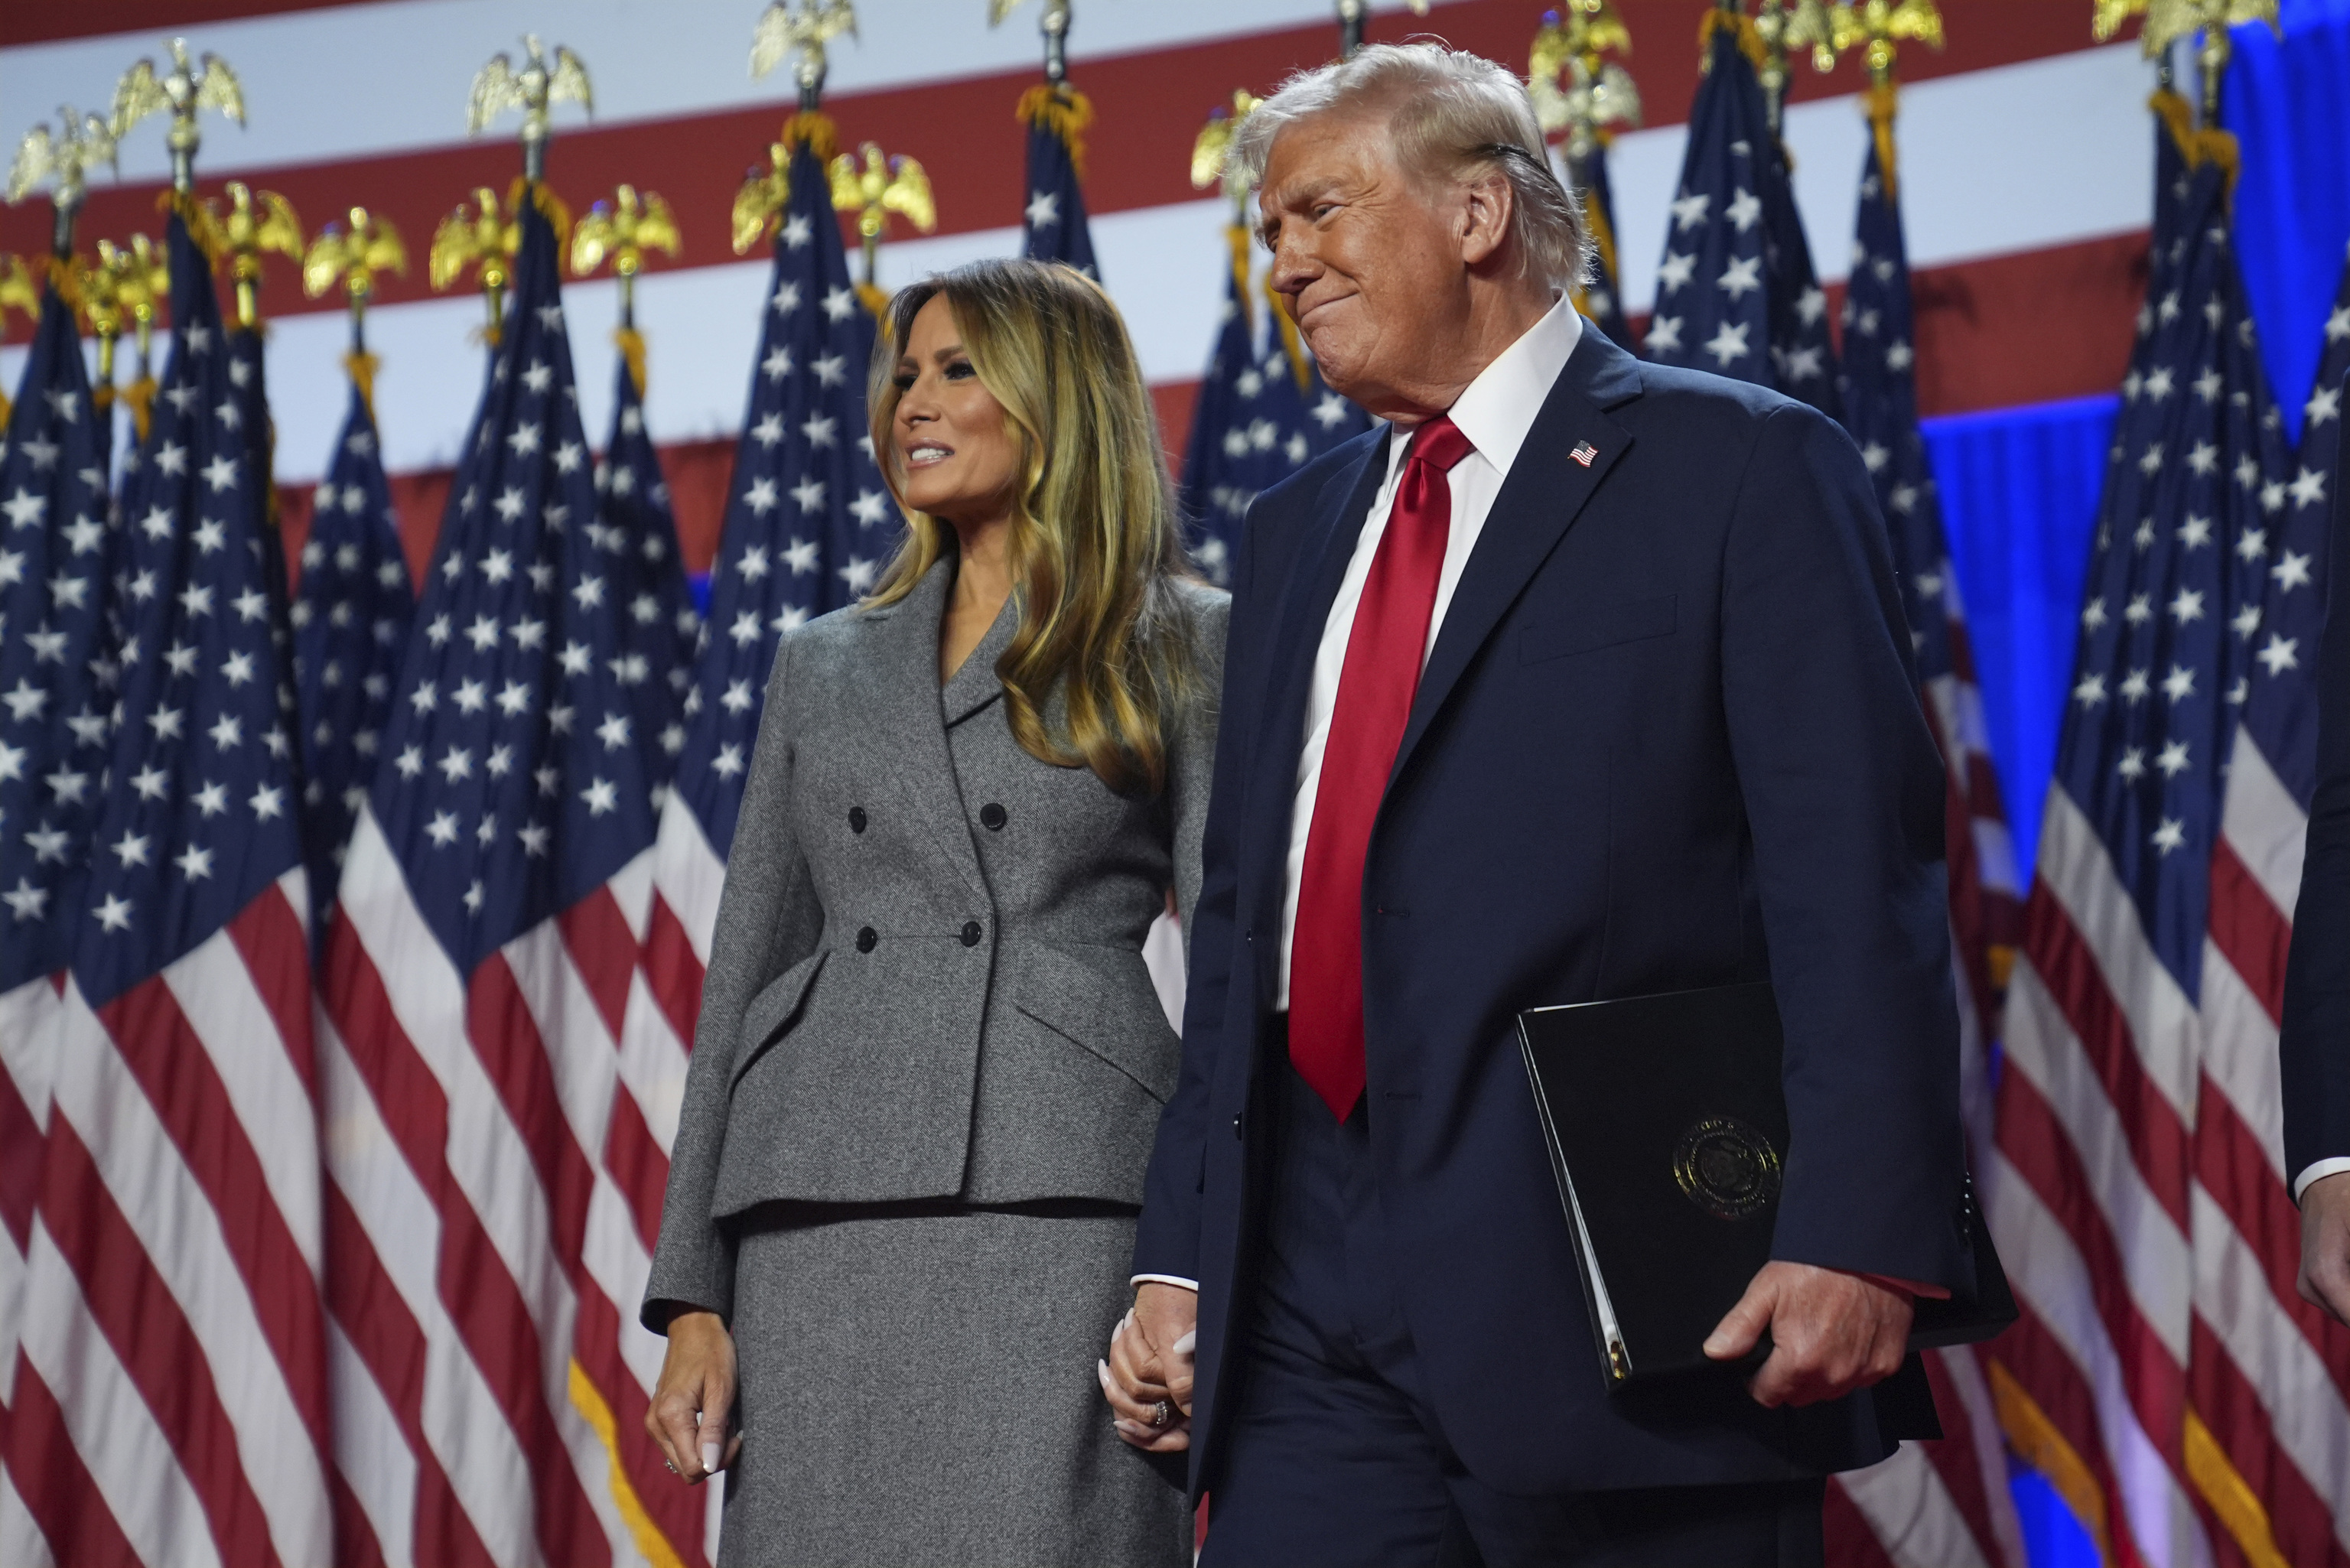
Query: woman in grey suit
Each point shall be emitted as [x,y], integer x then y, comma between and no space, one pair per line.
[930,1060]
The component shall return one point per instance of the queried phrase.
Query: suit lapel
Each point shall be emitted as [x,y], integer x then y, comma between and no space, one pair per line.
[906,708]
[1545,491]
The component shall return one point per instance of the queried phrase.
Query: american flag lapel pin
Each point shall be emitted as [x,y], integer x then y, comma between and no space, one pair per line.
[1584,453]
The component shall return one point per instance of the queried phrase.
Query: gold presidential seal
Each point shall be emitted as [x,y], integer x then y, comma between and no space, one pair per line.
[1726,1167]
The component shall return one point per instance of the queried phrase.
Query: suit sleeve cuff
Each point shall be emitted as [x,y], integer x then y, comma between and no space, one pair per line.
[1193,1285]
[2317,1172]
[1909,1288]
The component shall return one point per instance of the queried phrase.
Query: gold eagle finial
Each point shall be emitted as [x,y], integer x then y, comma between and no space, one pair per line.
[2169,21]
[1212,150]
[623,229]
[759,204]
[256,221]
[1575,87]
[18,291]
[1877,25]
[64,161]
[480,238]
[534,91]
[188,87]
[137,280]
[873,185]
[351,252]
[803,29]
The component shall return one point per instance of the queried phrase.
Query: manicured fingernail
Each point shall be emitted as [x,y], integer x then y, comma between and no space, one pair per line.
[1189,1342]
[1131,1427]
[1101,1370]
[709,1456]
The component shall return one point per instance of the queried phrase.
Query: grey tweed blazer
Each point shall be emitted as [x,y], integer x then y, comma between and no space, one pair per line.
[927,980]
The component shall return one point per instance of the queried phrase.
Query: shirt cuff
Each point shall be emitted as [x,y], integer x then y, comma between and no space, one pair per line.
[1909,1288]
[2317,1172]
[1180,1283]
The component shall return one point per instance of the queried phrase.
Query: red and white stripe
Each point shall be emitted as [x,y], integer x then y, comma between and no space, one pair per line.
[29,1017]
[497,1148]
[1945,1504]
[2141,1174]
[2268,1374]
[169,1403]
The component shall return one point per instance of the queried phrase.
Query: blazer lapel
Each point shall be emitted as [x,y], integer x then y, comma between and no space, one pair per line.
[907,708]
[1540,500]
[974,684]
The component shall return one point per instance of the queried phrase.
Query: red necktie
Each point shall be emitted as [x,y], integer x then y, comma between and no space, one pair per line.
[1366,725]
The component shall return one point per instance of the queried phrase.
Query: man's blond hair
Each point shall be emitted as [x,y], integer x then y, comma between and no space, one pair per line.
[1451,116]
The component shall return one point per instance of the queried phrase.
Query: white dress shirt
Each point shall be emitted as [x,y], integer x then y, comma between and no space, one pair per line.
[1494,412]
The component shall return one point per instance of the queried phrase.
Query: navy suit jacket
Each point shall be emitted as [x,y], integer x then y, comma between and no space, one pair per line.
[1667,737]
[2314,1046]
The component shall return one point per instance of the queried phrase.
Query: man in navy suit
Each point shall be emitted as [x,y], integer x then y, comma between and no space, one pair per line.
[1578,678]
[2314,1043]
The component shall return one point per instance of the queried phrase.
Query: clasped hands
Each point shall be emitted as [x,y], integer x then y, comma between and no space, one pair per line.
[1830,1332]
[1150,1360]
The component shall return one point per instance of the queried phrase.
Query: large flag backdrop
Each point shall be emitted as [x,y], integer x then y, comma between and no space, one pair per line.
[171,1392]
[2166,1375]
[498,1133]
[807,521]
[55,690]
[2024,260]
[350,628]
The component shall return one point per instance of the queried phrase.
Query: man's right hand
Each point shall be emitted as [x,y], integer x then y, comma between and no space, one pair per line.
[690,1404]
[2325,1243]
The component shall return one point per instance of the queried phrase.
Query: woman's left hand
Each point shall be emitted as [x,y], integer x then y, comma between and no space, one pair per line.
[1136,1381]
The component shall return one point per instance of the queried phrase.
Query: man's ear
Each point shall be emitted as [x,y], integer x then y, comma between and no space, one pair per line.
[1489,202]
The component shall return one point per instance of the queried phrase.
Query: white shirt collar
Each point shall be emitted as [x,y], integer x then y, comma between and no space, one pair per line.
[1497,409]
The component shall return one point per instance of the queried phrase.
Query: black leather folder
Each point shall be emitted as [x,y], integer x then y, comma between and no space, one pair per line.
[1666,1129]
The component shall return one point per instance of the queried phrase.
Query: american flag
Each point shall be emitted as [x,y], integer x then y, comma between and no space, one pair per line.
[809,522]
[1587,177]
[2321,416]
[1248,427]
[1053,225]
[496,1129]
[2268,1374]
[171,1396]
[2165,1376]
[1944,1504]
[351,619]
[637,534]
[1736,294]
[54,701]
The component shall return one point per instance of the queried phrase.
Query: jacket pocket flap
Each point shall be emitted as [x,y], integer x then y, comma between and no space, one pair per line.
[770,1012]
[1119,1021]
[1629,622]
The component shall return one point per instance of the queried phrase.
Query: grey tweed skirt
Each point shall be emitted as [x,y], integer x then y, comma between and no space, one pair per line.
[918,1387]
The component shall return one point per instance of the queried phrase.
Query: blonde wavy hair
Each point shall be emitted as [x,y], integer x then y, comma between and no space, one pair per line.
[1096,551]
